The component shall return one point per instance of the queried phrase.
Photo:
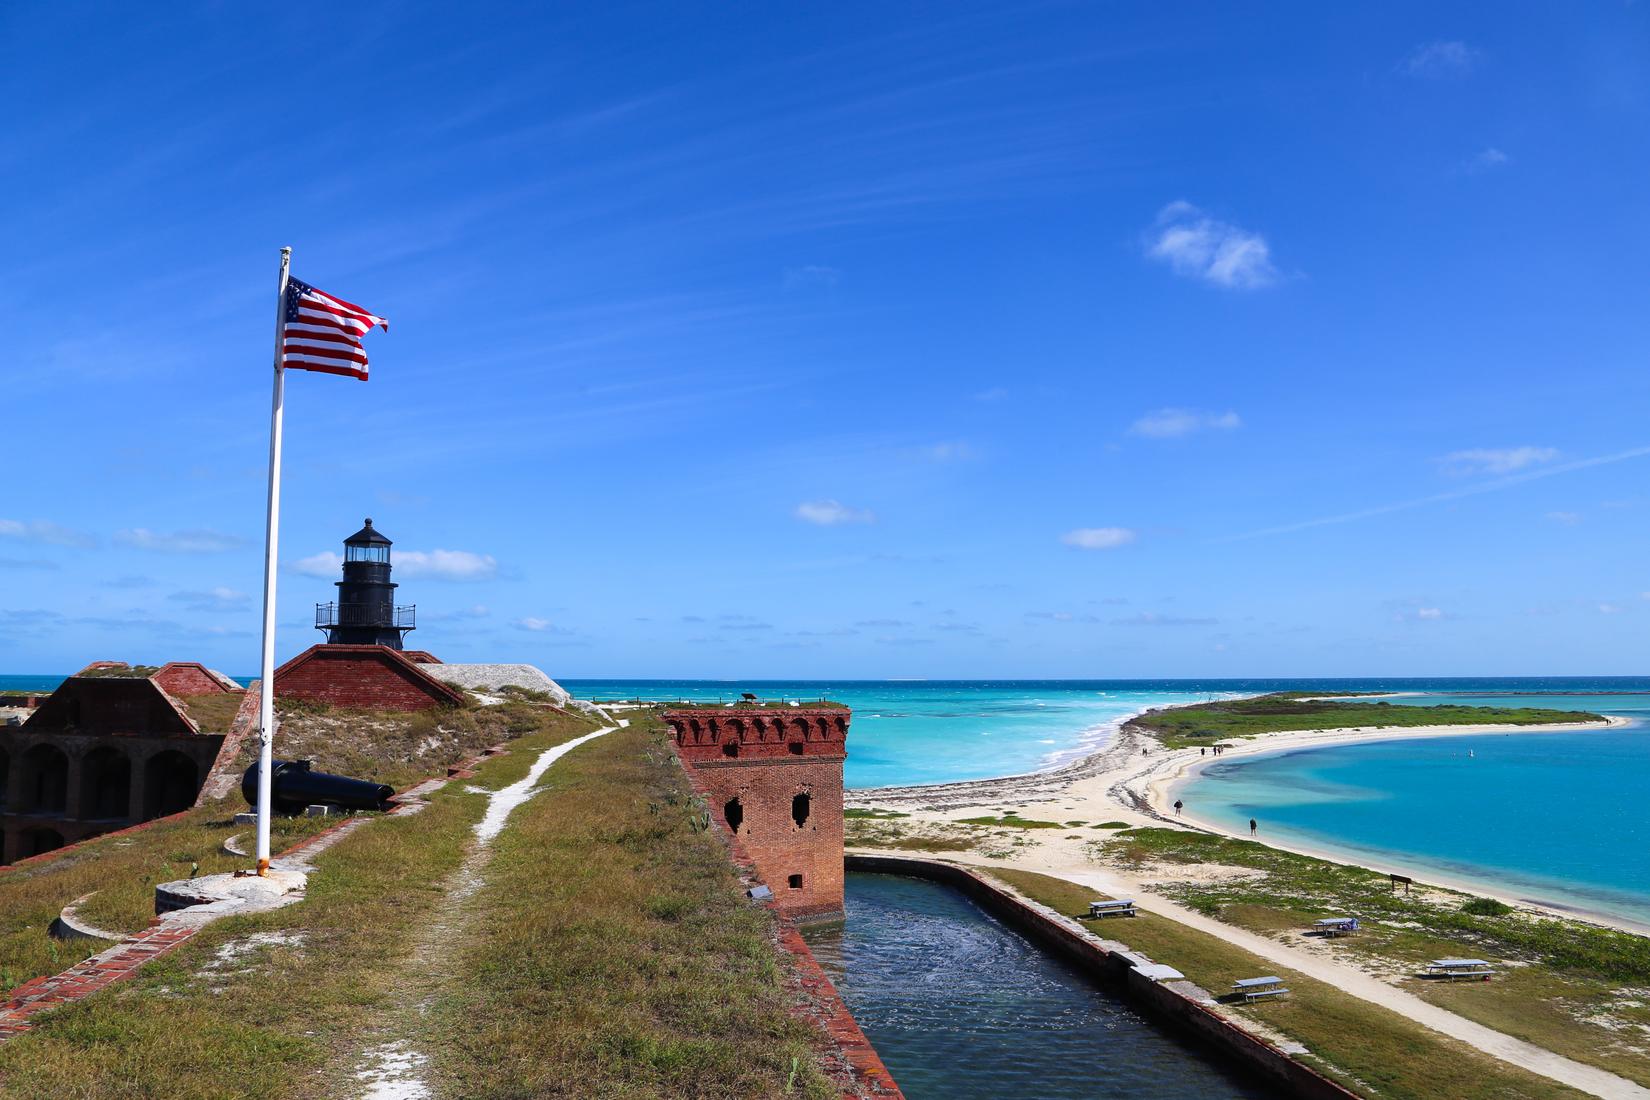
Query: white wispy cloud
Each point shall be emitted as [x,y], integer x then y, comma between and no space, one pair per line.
[325,564]
[1098,538]
[43,531]
[1429,613]
[1439,498]
[1201,247]
[445,565]
[219,598]
[1156,618]
[811,275]
[832,513]
[949,451]
[1496,460]
[1609,609]
[1177,423]
[1568,519]
[534,624]
[1486,158]
[179,542]
[1435,59]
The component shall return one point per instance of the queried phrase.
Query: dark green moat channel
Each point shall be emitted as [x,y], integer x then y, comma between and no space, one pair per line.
[963,1008]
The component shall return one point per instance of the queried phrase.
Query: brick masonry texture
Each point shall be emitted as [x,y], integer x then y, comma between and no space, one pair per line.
[772,777]
[372,677]
[186,678]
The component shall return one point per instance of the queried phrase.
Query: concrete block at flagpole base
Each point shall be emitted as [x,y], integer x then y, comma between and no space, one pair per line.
[246,818]
[204,899]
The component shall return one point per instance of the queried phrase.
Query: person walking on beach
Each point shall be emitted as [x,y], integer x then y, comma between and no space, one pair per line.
[1252,826]
[1177,805]
[1201,750]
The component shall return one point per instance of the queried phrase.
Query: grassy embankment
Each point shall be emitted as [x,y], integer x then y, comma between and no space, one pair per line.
[123,870]
[1573,988]
[1371,1050]
[1205,723]
[616,959]
[614,954]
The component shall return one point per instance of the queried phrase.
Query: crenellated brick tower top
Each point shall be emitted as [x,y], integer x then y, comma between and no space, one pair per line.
[773,778]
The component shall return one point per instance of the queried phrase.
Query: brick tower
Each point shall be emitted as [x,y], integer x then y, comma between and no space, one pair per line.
[773,777]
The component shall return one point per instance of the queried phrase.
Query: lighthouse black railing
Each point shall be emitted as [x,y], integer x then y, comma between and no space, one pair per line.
[329,615]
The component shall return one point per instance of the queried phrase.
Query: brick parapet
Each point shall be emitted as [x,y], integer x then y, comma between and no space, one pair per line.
[367,676]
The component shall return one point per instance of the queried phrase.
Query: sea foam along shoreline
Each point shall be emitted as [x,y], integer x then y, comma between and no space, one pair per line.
[1167,778]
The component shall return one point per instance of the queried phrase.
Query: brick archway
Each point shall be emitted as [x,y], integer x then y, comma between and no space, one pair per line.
[45,781]
[171,781]
[105,785]
[37,842]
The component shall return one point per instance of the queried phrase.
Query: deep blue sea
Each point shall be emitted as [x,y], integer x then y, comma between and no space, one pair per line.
[1556,817]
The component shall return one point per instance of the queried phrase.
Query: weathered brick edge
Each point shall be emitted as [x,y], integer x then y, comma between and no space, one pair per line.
[124,958]
[225,775]
[845,1053]
[1282,1073]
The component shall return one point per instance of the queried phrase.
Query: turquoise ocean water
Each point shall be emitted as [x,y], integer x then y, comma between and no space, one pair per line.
[1556,817]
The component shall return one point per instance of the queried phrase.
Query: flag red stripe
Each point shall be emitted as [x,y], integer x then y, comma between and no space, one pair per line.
[311,301]
[318,368]
[355,355]
[351,306]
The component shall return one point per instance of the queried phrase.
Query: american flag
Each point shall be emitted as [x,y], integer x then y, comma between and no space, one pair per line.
[323,333]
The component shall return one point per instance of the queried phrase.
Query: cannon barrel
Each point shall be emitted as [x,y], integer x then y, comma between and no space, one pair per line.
[293,786]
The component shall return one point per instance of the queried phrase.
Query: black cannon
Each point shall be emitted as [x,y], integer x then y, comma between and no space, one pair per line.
[293,786]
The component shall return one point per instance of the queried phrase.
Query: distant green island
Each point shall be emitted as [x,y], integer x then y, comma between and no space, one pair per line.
[1295,711]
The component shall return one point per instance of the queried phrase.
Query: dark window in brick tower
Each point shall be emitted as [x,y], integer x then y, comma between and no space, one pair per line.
[734,814]
[800,805]
[795,882]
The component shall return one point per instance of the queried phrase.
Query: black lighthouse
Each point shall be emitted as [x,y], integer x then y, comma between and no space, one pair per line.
[365,613]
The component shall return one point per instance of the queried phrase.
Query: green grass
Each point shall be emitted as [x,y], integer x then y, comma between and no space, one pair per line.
[1010,821]
[614,953]
[854,813]
[1202,723]
[1567,974]
[615,957]
[1369,1049]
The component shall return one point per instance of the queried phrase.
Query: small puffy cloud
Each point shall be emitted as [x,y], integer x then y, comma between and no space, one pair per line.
[325,564]
[445,565]
[832,513]
[179,542]
[1178,423]
[1495,460]
[1429,613]
[537,625]
[1440,59]
[1568,519]
[1486,158]
[811,275]
[220,598]
[950,451]
[43,531]
[1200,247]
[1609,609]
[1098,538]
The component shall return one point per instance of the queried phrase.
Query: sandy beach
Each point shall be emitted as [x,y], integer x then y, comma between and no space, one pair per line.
[1132,779]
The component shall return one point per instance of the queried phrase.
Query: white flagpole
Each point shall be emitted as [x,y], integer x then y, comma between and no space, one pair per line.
[272,532]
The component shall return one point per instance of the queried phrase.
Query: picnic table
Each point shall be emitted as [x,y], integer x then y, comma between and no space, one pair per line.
[1253,989]
[1336,926]
[1121,907]
[1456,969]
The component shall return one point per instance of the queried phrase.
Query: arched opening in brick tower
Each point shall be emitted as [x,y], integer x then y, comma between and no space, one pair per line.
[45,781]
[801,804]
[105,785]
[170,783]
[734,814]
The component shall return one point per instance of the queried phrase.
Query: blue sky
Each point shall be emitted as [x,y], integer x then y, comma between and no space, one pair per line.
[842,340]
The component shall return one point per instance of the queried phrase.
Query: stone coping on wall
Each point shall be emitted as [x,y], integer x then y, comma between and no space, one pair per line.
[1181,1008]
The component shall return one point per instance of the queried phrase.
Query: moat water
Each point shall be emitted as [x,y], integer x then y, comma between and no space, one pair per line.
[962,1007]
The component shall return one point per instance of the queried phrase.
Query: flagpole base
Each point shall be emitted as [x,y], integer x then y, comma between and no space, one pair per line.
[263,868]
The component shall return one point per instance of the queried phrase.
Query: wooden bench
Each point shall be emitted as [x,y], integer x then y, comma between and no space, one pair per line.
[1122,907]
[1253,989]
